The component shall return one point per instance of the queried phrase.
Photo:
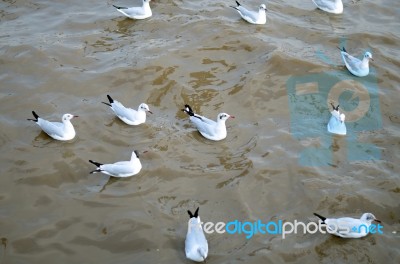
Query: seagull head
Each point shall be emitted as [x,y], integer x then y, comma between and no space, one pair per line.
[67,117]
[224,116]
[342,117]
[145,107]
[368,56]
[369,217]
[263,7]
[202,252]
[135,154]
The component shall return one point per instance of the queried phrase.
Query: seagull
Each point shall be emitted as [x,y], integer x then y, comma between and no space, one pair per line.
[208,128]
[336,124]
[357,67]
[348,227]
[128,115]
[120,168]
[330,6]
[139,12]
[252,17]
[57,130]
[196,246]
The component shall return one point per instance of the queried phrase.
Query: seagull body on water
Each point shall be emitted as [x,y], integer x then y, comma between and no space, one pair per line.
[330,6]
[121,168]
[196,246]
[128,115]
[137,12]
[336,123]
[357,67]
[252,17]
[348,227]
[213,130]
[57,130]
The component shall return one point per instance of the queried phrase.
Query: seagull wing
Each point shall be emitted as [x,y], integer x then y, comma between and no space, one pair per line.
[133,11]
[205,119]
[249,16]
[203,124]
[336,126]
[326,5]
[346,227]
[335,114]
[352,63]
[120,168]
[123,112]
[51,128]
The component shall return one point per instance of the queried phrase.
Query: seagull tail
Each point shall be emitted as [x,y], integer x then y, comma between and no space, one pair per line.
[202,253]
[342,49]
[188,110]
[119,7]
[320,217]
[196,213]
[336,108]
[95,163]
[110,100]
[190,214]
[35,115]
[236,7]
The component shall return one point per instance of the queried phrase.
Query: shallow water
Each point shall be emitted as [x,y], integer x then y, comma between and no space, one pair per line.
[277,163]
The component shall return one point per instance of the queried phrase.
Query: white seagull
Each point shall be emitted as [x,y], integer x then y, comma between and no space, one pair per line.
[120,168]
[330,6]
[252,17]
[357,67]
[336,123]
[208,128]
[57,130]
[348,227]
[139,12]
[196,246]
[128,115]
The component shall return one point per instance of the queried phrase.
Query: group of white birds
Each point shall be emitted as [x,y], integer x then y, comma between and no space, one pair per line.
[196,246]
[216,130]
[356,66]
[65,131]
